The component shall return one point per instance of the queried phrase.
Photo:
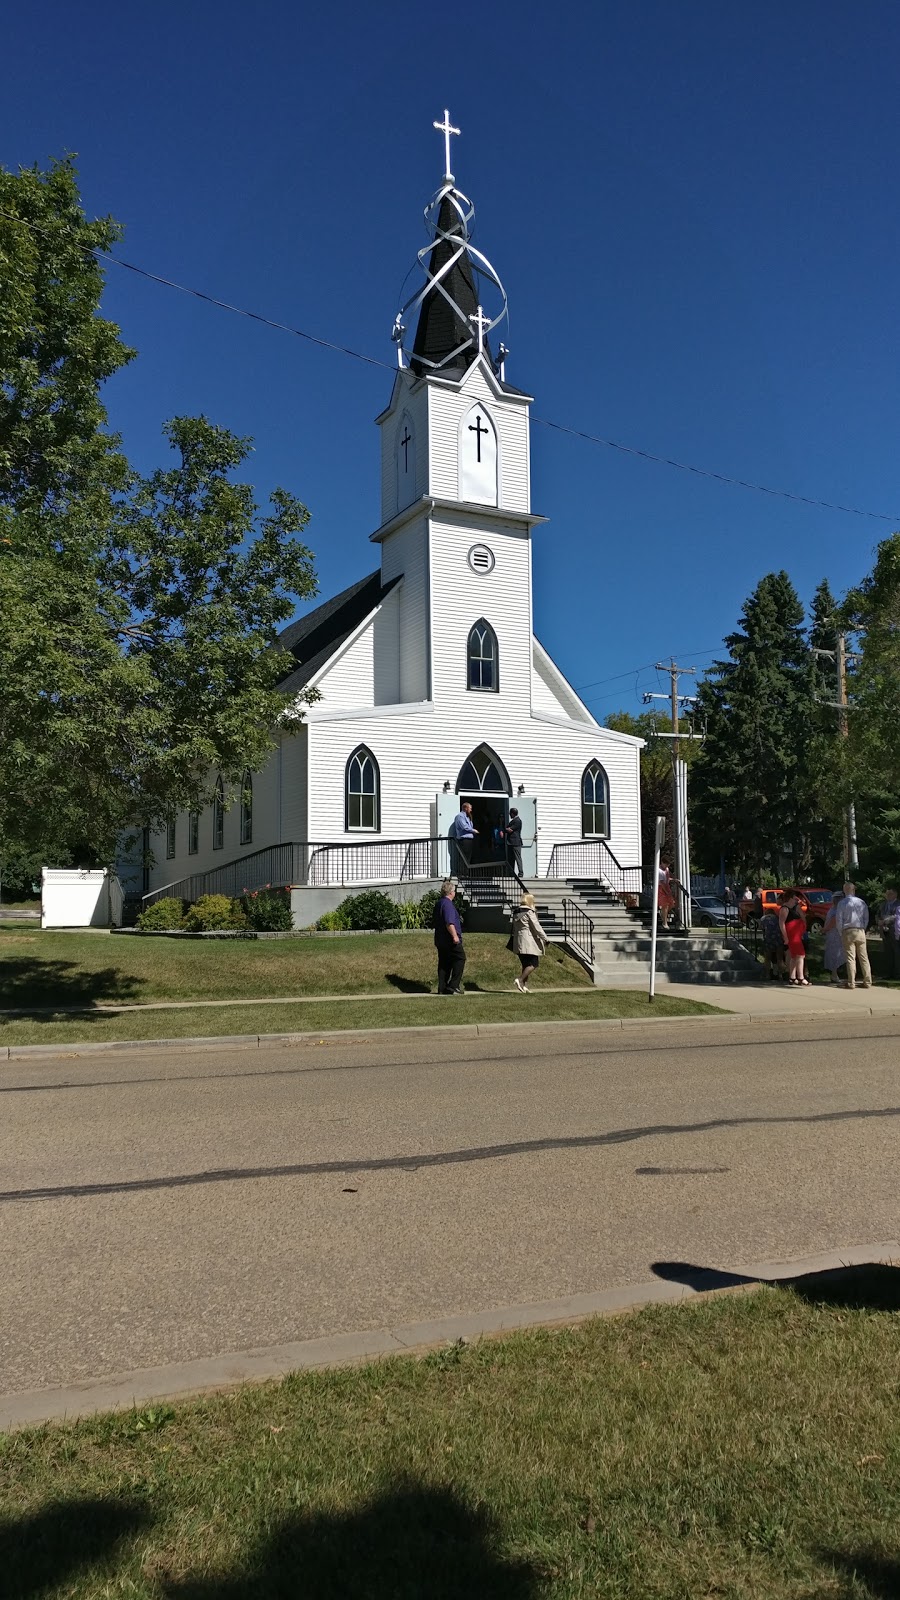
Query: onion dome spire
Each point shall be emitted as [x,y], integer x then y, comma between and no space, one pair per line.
[452,327]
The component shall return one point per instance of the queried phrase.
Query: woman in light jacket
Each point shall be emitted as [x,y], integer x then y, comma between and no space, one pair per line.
[528,940]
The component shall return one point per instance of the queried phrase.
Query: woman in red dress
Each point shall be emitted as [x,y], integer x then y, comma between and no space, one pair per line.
[794,929]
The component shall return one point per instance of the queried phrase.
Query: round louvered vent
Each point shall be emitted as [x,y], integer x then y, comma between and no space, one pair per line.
[480,558]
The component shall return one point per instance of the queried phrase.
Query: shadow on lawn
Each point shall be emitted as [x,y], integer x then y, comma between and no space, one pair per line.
[407,985]
[410,1541]
[872,1286]
[41,1552]
[34,984]
[877,1577]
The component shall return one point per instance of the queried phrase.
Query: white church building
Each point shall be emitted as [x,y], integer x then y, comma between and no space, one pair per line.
[434,686]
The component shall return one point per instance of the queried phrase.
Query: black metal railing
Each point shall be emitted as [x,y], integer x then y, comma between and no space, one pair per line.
[745,932]
[278,865]
[377,861]
[490,883]
[578,928]
[592,858]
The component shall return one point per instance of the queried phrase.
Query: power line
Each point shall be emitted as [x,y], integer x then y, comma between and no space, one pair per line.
[597,682]
[545,422]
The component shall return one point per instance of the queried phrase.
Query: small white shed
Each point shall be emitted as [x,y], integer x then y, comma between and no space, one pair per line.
[72,898]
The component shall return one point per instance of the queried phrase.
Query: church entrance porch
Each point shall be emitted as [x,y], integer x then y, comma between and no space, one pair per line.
[489,818]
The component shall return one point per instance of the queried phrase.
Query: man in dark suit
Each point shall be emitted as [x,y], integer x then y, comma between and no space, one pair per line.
[514,841]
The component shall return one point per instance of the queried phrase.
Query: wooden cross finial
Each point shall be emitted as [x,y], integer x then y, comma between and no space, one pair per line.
[446,129]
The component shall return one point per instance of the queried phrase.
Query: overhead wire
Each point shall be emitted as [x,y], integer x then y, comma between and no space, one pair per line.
[545,422]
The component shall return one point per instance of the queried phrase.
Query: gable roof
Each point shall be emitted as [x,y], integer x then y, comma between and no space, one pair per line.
[313,639]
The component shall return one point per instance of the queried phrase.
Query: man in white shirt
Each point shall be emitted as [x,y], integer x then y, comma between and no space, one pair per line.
[852,917]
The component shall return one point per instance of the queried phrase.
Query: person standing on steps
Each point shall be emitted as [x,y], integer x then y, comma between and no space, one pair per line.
[514,841]
[462,832]
[528,940]
[451,957]
[852,917]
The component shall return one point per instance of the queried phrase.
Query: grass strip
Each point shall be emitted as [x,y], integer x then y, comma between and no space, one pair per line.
[325,1016]
[744,1446]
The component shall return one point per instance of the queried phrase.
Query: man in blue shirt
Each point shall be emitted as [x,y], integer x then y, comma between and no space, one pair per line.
[462,834]
[451,957]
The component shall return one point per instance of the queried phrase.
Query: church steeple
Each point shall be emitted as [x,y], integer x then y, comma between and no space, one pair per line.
[452,326]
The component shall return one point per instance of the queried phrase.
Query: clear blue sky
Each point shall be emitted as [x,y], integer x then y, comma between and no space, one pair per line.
[694,209]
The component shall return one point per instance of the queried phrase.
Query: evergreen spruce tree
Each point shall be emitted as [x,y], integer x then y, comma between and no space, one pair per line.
[823,779]
[871,615]
[748,804]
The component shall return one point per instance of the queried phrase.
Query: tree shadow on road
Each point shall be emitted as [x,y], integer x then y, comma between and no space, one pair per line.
[871,1286]
[41,1552]
[408,1542]
[35,986]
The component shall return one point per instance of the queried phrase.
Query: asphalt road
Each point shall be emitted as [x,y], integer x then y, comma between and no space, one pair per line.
[167,1205]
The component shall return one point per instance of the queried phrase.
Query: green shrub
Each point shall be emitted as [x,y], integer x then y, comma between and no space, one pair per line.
[214,913]
[371,909]
[334,921]
[162,916]
[268,910]
[410,913]
[427,906]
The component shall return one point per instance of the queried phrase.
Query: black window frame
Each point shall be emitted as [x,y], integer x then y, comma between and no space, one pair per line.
[247,807]
[595,769]
[356,799]
[484,629]
[218,815]
[193,833]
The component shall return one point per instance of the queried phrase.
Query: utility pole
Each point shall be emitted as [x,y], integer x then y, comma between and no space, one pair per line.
[843,706]
[679,781]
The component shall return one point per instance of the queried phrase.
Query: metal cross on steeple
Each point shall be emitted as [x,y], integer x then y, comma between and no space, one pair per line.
[446,129]
[481,322]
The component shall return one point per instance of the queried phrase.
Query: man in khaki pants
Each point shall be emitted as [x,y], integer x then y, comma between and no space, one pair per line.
[852,917]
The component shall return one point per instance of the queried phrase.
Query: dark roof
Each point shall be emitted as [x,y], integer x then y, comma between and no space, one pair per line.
[441,327]
[314,638]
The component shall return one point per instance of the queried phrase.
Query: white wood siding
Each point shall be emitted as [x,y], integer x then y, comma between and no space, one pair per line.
[415,405]
[294,796]
[349,680]
[265,830]
[551,695]
[461,597]
[406,553]
[417,752]
[447,406]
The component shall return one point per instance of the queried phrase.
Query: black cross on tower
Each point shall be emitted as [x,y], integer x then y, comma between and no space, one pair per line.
[405,442]
[477,427]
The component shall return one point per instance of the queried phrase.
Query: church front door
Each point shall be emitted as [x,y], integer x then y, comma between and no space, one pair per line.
[489,814]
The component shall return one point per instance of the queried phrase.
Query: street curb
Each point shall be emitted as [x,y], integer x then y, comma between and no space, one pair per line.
[181,1380]
[261,1041]
[258,1041]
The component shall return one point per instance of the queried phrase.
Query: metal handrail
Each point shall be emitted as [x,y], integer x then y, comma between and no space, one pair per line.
[578,928]
[592,858]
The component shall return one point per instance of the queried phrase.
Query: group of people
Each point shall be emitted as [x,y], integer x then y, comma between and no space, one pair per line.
[786,938]
[462,834]
[527,940]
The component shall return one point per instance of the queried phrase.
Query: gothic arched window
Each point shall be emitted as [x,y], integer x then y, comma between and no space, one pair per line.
[594,802]
[218,815]
[247,808]
[483,658]
[363,792]
[483,771]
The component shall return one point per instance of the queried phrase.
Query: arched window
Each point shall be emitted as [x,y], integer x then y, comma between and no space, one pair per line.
[483,771]
[170,838]
[594,802]
[363,791]
[484,658]
[247,807]
[193,832]
[218,815]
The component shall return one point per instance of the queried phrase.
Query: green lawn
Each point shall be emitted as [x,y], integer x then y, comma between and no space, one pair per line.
[324,1016]
[87,968]
[747,1446]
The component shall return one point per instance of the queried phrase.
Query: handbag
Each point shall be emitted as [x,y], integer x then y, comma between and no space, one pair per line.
[509,943]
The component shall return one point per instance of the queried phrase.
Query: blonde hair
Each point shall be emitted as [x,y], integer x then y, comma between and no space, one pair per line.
[528,900]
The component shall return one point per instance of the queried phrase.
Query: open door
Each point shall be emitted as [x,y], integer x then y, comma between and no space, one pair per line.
[527,808]
[446,808]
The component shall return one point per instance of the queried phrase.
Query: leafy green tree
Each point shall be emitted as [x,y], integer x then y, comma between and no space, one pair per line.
[137,616]
[748,801]
[871,615]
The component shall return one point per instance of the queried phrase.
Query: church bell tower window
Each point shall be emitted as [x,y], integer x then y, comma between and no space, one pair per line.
[484,660]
